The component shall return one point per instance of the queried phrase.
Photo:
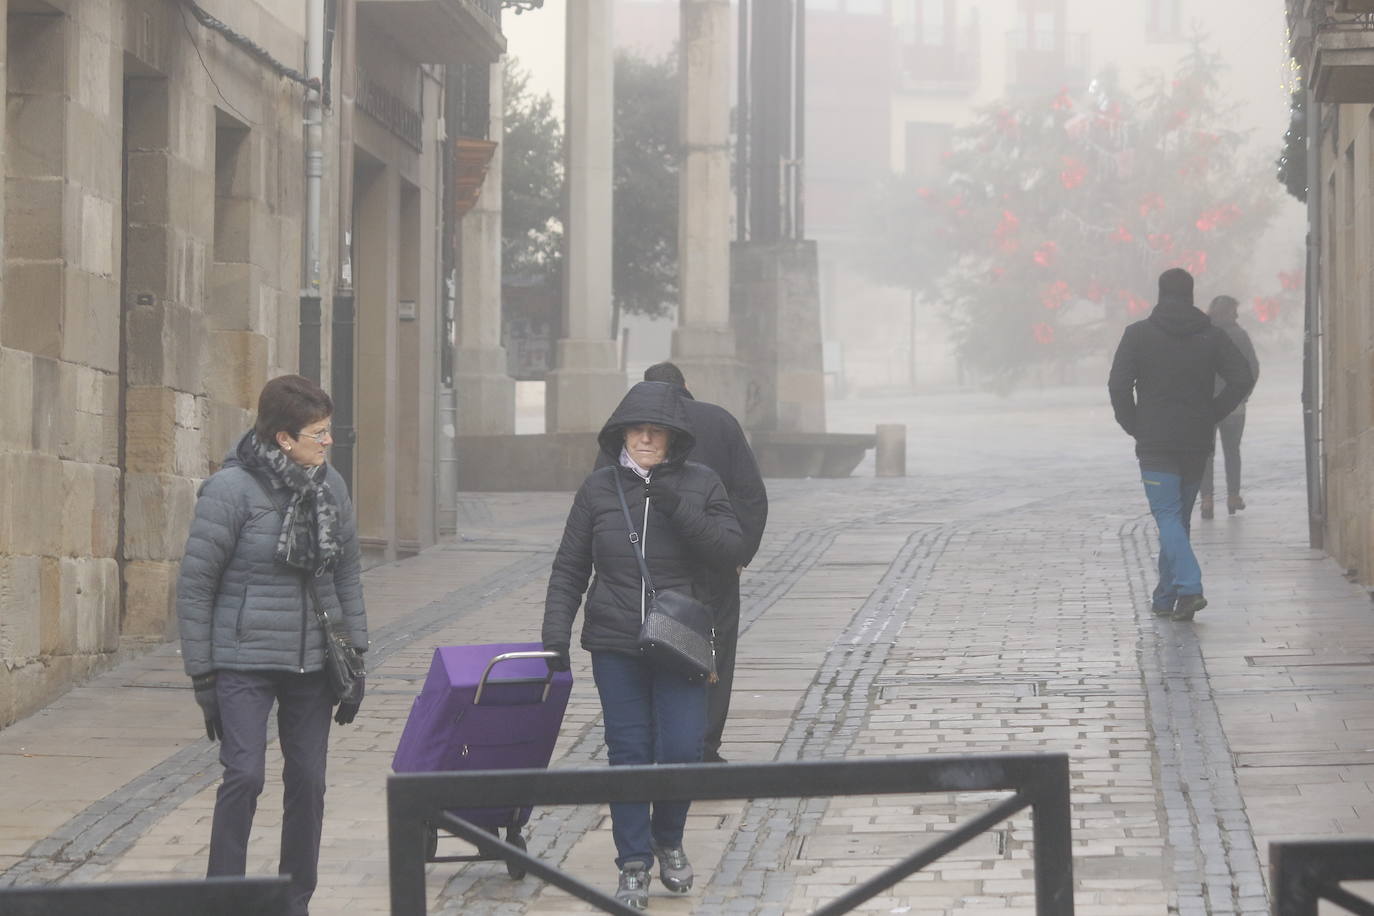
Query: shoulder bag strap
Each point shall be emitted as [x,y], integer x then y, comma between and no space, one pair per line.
[634,535]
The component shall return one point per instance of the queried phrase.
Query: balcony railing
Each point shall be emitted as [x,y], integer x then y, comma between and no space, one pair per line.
[1042,61]
[950,66]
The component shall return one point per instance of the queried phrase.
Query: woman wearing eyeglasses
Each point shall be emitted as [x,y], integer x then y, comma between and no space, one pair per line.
[273,532]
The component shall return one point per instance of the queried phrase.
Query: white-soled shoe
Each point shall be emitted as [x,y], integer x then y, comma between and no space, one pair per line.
[673,868]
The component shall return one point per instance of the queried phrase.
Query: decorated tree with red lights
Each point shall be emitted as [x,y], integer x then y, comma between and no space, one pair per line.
[1061,212]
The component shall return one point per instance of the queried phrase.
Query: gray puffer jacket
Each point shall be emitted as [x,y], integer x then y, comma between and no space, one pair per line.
[237,607]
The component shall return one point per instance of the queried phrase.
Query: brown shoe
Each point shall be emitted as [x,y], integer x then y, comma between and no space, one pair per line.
[1234,504]
[1207,510]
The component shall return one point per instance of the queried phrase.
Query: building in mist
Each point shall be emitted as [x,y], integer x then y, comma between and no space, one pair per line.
[890,81]
[158,269]
[1333,44]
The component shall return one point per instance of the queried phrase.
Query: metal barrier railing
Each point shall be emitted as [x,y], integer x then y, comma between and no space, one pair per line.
[1303,873]
[416,802]
[265,896]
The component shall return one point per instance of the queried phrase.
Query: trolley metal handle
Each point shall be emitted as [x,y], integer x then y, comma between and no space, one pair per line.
[547,679]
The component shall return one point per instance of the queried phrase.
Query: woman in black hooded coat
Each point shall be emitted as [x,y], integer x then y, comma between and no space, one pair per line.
[688,532]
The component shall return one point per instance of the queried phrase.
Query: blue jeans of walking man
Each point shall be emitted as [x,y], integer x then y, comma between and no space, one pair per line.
[651,716]
[1171,482]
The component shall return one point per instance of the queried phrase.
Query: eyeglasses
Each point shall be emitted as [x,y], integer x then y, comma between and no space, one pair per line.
[319,436]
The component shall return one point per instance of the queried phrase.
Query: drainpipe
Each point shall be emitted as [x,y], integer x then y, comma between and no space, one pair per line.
[1312,394]
[314,174]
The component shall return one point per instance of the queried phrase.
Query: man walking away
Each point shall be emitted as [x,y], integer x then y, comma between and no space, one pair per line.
[1162,387]
[722,447]
[1224,312]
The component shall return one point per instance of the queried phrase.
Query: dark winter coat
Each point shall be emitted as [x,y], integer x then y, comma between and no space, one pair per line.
[1162,382]
[722,446]
[683,549]
[240,609]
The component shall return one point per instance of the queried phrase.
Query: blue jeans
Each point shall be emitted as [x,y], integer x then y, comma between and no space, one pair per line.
[651,716]
[1171,486]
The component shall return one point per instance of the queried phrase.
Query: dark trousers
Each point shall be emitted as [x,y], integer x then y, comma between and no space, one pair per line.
[727,638]
[651,716]
[1230,430]
[304,703]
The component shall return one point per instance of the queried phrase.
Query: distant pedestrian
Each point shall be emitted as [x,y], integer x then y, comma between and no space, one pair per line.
[684,524]
[273,532]
[1224,312]
[722,446]
[1162,386]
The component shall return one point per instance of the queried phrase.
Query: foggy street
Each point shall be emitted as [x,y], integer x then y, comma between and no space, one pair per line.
[995,599]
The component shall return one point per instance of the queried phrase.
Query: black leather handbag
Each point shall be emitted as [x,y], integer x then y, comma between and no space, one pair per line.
[678,631]
[343,663]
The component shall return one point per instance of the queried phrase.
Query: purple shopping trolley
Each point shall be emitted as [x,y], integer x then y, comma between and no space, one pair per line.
[487,707]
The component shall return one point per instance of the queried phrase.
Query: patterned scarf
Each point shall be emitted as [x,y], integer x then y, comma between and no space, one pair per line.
[310,536]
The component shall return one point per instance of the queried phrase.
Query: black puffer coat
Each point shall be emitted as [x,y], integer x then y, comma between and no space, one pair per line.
[722,446]
[1163,377]
[682,549]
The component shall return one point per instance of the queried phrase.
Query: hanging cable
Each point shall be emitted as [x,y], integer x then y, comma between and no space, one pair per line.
[252,48]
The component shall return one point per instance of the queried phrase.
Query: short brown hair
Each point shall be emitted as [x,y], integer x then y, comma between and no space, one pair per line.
[289,403]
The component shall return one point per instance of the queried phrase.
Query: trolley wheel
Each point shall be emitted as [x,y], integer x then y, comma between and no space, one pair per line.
[431,842]
[514,838]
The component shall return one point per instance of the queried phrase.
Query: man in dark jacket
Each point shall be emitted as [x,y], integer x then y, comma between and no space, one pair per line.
[722,447]
[1162,390]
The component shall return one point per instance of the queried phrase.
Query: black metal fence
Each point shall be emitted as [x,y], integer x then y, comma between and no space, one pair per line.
[420,801]
[205,897]
[1307,872]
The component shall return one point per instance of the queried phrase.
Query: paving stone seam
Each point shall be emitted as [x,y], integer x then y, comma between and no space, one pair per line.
[94,838]
[831,713]
[1199,794]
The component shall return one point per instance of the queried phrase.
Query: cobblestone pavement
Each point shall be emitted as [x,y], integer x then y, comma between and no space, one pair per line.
[994,600]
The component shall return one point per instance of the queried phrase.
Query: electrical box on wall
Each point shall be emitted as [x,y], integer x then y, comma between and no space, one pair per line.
[405,310]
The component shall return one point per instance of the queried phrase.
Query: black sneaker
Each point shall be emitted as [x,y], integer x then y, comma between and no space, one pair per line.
[1187,606]
[633,890]
[1166,611]
[673,868]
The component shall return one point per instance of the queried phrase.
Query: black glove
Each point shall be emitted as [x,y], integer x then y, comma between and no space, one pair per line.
[561,663]
[663,495]
[347,710]
[204,686]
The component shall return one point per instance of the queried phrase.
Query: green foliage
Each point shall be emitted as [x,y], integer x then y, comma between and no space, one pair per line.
[532,180]
[1292,163]
[646,184]
[1059,213]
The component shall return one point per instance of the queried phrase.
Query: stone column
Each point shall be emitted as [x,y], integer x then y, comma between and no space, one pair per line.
[485,393]
[586,382]
[704,342]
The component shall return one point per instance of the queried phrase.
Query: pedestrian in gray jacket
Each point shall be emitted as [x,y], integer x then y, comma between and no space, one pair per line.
[273,532]
[1225,313]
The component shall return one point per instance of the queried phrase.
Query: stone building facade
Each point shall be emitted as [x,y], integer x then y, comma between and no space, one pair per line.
[155,276]
[1333,45]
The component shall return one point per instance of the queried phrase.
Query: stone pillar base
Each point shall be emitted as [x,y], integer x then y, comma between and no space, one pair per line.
[775,310]
[485,393]
[706,355]
[587,385]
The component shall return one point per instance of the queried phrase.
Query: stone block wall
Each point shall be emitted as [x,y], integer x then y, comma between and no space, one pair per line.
[149,289]
[1347,234]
